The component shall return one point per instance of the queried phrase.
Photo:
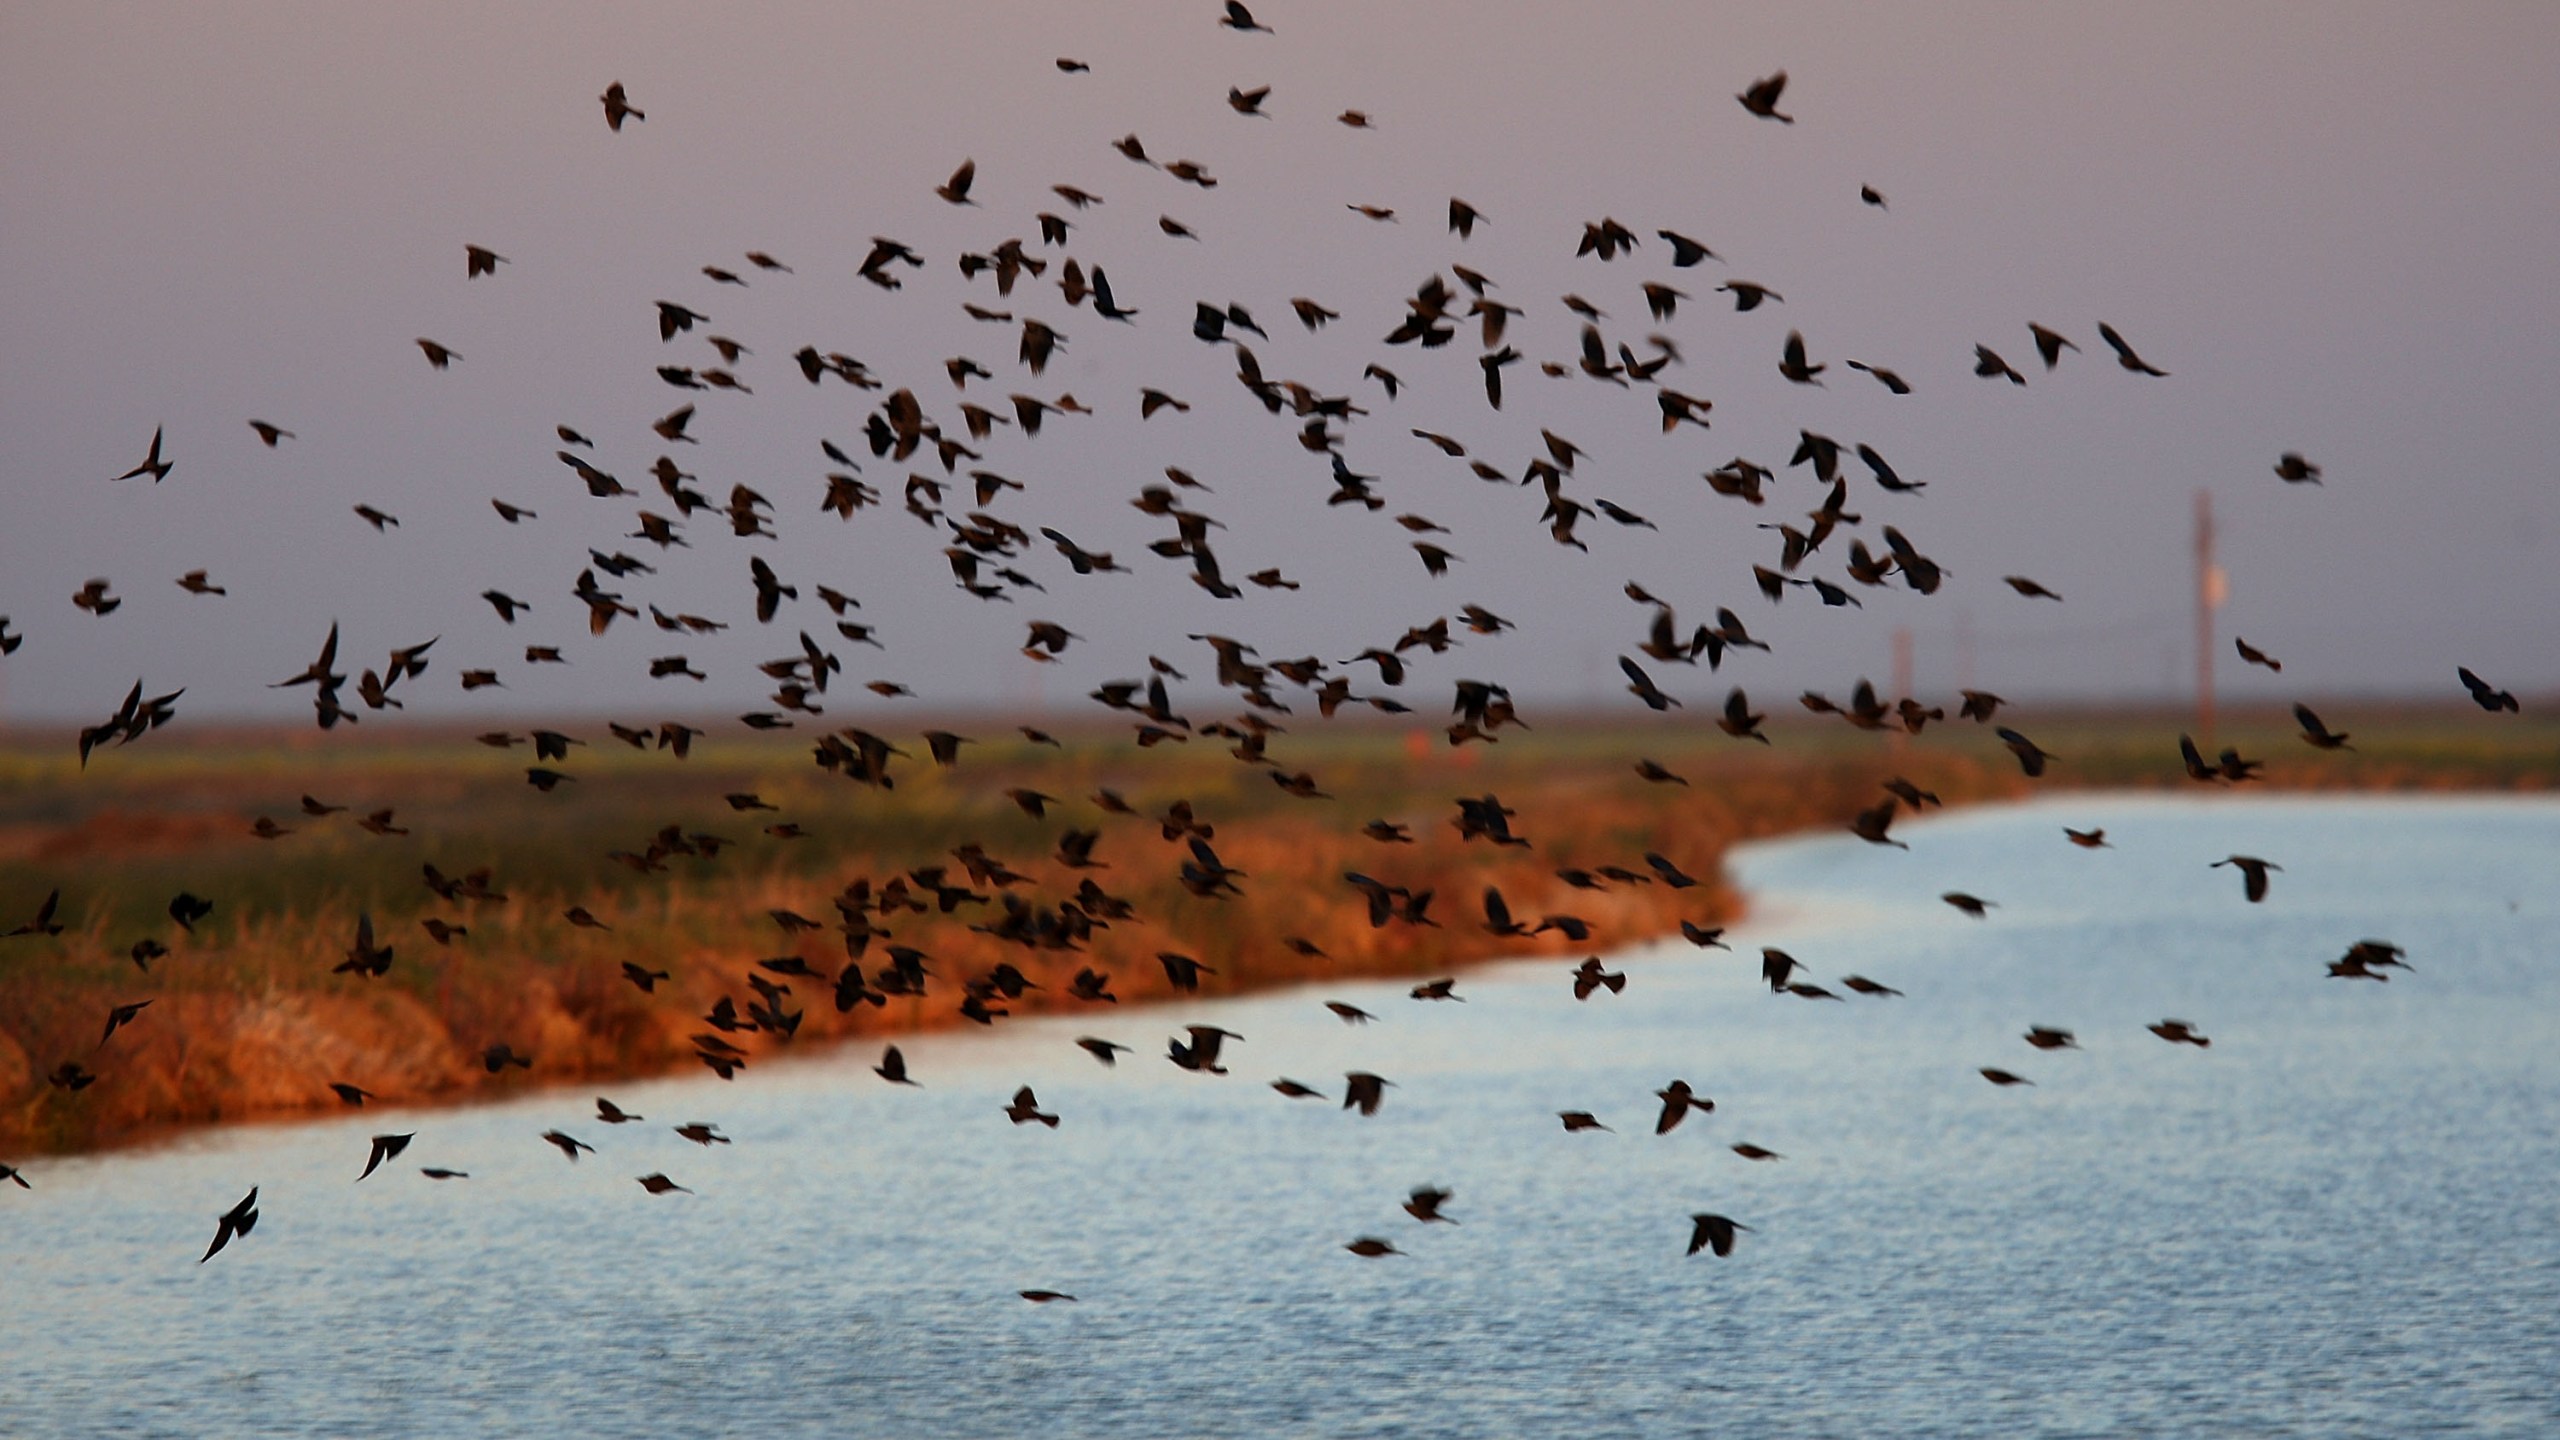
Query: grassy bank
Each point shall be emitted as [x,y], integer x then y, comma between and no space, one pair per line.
[248,1016]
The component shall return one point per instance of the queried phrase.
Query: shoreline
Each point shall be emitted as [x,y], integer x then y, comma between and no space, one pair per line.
[248,1024]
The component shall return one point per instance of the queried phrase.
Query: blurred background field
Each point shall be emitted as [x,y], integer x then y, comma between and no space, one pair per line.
[248,1017]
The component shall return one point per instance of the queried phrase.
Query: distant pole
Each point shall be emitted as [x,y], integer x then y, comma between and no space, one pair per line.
[2209,592]
[1964,649]
[1901,676]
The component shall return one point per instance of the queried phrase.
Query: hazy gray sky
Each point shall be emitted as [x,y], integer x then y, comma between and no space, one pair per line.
[2334,224]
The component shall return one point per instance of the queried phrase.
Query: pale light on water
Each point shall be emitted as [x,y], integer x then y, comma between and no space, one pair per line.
[2338,1220]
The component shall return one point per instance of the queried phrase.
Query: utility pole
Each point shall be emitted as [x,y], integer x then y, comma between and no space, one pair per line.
[1895,735]
[1964,649]
[2211,588]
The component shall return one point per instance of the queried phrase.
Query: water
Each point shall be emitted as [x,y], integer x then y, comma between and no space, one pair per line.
[2341,1220]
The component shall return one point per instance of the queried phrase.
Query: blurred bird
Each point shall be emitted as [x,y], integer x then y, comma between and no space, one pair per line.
[1713,1232]
[1677,1101]
[2484,695]
[2253,874]
[617,107]
[1761,99]
[2179,1032]
[2124,353]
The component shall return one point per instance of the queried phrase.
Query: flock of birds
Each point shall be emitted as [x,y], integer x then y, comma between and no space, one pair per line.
[990,558]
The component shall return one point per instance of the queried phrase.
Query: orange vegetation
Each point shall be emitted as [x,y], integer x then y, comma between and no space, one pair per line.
[249,1016]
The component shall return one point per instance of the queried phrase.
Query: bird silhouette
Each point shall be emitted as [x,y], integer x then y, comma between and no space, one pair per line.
[1792,365]
[618,107]
[2124,353]
[1364,1092]
[385,1147]
[2179,1032]
[2484,695]
[1026,1108]
[2317,735]
[1677,1101]
[152,465]
[240,1219]
[1714,1233]
[1761,99]
[2253,874]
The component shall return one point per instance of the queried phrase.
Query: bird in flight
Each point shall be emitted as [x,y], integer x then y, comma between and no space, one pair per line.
[385,1147]
[1714,1233]
[2124,353]
[1425,1202]
[152,465]
[618,107]
[240,1219]
[2253,874]
[2488,697]
[1762,98]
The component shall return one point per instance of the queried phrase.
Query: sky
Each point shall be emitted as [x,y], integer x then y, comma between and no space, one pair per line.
[2331,224]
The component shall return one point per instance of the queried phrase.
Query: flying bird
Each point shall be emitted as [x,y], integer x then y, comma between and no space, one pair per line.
[384,1148]
[617,107]
[2124,353]
[1793,365]
[1762,98]
[2317,735]
[2485,695]
[2253,874]
[1363,1092]
[240,1219]
[152,465]
[1677,1101]
[1425,1202]
[1713,1232]
[1026,1108]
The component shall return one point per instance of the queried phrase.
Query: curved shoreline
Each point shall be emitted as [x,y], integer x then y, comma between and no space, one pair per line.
[248,1022]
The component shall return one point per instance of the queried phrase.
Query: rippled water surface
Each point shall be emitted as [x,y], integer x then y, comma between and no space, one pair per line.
[2341,1220]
